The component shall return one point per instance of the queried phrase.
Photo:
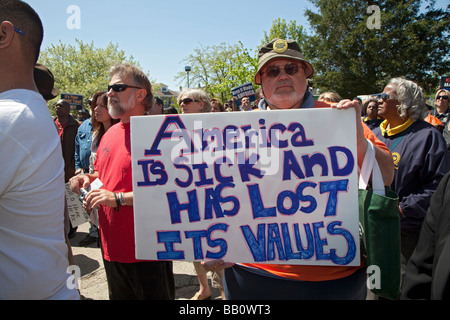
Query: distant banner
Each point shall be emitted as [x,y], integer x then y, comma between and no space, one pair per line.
[445,82]
[264,186]
[245,90]
[75,100]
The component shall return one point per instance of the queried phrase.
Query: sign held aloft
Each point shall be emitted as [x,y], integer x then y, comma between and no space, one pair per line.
[263,186]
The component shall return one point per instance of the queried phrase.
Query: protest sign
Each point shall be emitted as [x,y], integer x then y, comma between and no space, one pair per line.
[75,100]
[77,214]
[74,203]
[245,90]
[263,186]
[445,82]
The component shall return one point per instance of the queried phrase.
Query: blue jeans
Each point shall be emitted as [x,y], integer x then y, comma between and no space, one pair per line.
[242,284]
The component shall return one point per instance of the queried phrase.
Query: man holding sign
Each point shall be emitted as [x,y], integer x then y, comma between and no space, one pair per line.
[283,74]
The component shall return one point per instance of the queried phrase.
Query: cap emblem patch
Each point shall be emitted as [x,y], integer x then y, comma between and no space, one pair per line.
[280,46]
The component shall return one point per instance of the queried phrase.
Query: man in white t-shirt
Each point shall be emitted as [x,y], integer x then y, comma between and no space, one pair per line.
[33,253]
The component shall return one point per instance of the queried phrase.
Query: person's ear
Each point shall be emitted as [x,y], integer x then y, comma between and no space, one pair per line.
[6,34]
[141,95]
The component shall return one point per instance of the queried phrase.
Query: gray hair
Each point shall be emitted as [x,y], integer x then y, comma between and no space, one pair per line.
[138,76]
[411,99]
[197,94]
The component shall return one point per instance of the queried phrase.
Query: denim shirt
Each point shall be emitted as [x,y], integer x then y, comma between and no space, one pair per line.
[83,142]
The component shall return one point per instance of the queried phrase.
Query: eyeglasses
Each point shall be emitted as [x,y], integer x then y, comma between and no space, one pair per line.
[274,71]
[121,87]
[385,96]
[188,100]
[19,31]
[442,97]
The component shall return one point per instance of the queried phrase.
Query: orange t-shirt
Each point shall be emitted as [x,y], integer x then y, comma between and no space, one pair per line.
[317,273]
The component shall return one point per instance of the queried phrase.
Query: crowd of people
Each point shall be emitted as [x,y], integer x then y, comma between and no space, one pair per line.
[35,251]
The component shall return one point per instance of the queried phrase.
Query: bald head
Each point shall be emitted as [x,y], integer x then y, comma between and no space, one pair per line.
[62,109]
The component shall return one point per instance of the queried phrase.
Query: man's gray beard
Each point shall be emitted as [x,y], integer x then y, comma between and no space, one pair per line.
[116,112]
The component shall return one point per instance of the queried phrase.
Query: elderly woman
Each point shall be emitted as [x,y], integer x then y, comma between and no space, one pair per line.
[194,101]
[419,151]
[197,101]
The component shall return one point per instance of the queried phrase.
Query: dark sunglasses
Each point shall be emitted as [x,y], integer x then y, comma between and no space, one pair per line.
[289,68]
[188,100]
[120,87]
[385,96]
[442,97]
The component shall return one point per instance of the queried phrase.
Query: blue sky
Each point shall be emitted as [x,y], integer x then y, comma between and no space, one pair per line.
[160,34]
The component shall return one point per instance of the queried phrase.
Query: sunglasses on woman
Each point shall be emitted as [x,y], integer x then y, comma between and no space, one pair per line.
[385,96]
[274,71]
[442,97]
[188,100]
[120,87]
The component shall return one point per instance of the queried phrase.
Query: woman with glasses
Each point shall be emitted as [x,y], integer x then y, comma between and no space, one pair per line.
[194,101]
[442,97]
[442,112]
[420,155]
[198,101]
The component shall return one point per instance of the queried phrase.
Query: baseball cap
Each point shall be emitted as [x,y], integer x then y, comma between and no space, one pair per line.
[45,82]
[281,48]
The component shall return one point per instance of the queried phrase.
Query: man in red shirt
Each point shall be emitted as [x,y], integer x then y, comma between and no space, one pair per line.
[67,128]
[129,94]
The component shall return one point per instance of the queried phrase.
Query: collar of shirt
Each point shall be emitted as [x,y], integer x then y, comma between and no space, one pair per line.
[393,131]
[308,102]
[440,115]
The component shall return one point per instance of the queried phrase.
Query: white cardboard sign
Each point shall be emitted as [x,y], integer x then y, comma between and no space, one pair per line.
[256,187]
[77,214]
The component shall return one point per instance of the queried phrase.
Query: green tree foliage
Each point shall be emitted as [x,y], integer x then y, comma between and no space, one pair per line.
[83,68]
[219,68]
[281,29]
[351,58]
